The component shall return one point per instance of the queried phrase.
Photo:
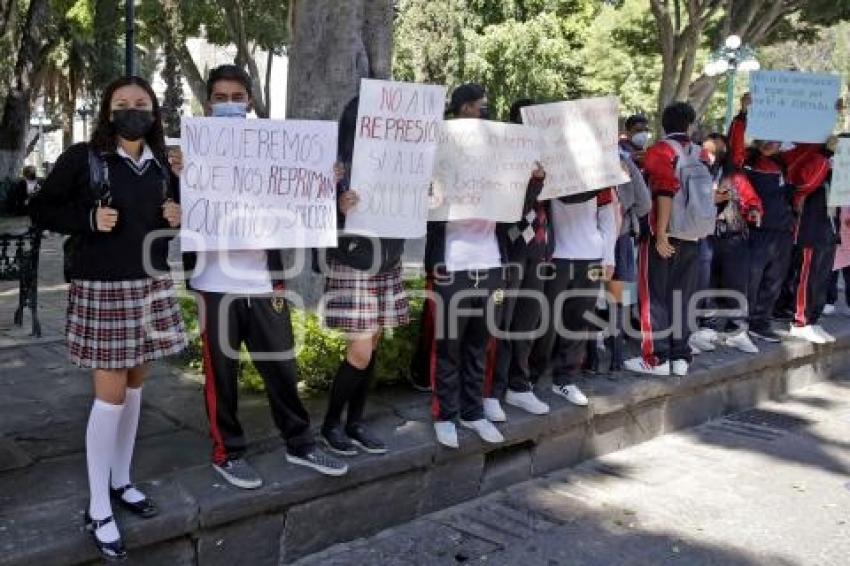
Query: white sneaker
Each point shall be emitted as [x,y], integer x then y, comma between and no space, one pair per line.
[807,333]
[741,341]
[493,411]
[694,350]
[679,367]
[486,430]
[571,393]
[703,340]
[826,335]
[527,401]
[828,310]
[639,365]
[446,433]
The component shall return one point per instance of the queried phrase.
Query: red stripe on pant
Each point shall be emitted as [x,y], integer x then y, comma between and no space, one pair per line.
[800,318]
[430,330]
[490,366]
[219,451]
[647,347]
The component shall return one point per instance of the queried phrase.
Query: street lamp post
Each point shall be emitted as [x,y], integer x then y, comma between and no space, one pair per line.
[41,121]
[130,37]
[730,59]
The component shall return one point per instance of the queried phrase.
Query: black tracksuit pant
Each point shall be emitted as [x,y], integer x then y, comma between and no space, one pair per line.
[665,289]
[571,295]
[264,325]
[832,293]
[770,259]
[812,270]
[730,273]
[462,300]
[508,364]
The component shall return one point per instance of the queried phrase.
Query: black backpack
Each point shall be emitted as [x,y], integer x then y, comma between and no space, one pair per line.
[99,193]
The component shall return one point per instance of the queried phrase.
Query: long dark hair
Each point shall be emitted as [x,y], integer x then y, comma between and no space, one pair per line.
[105,140]
[347,130]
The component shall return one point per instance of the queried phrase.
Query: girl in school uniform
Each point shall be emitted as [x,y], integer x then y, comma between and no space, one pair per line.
[122,312]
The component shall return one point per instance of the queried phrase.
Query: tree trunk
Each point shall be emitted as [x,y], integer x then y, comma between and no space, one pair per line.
[334,45]
[14,124]
[172,102]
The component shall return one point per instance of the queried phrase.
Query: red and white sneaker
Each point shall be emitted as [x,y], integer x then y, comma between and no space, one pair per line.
[639,365]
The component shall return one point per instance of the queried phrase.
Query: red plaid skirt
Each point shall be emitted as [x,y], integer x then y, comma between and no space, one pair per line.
[123,324]
[358,302]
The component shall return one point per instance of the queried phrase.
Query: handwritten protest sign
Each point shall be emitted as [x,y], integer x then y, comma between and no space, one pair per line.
[580,151]
[257,184]
[792,107]
[394,148]
[482,170]
[839,190]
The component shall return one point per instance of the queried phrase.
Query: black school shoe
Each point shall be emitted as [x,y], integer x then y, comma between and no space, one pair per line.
[338,442]
[365,440]
[766,333]
[317,460]
[144,508]
[112,551]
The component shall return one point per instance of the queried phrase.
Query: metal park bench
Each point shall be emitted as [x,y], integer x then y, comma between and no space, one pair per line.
[19,255]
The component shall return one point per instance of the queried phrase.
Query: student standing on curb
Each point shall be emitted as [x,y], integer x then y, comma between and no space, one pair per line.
[120,316]
[240,295]
[364,295]
[465,257]
[508,375]
[682,190]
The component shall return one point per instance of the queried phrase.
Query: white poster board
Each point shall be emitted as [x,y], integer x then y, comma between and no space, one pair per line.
[257,184]
[394,149]
[839,189]
[482,170]
[580,145]
[792,107]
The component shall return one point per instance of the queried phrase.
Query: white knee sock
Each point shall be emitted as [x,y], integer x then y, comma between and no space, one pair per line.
[100,446]
[125,442]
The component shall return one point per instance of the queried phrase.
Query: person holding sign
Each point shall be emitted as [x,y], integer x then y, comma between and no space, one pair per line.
[465,258]
[364,295]
[683,212]
[738,131]
[530,244]
[111,195]
[240,301]
[814,240]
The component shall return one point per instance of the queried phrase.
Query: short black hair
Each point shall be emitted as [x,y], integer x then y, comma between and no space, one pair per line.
[228,73]
[515,115]
[636,119]
[464,94]
[678,117]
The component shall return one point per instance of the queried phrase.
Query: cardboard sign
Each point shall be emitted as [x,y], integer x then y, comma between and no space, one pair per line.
[257,184]
[580,145]
[839,189]
[394,148]
[792,107]
[482,170]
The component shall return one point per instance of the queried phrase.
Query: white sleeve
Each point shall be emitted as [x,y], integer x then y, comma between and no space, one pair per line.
[607,222]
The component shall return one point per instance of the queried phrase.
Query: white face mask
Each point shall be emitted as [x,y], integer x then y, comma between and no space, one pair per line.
[641,139]
[230,110]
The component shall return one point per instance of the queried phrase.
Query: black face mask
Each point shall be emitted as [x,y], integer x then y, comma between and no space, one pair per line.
[132,124]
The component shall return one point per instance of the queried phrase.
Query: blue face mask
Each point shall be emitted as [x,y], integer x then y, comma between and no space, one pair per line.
[230,110]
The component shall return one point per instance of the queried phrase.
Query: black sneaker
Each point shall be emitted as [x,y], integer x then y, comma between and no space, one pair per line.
[319,461]
[365,440]
[766,333]
[239,473]
[338,442]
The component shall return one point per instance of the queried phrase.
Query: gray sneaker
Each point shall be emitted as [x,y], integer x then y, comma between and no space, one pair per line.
[320,461]
[239,473]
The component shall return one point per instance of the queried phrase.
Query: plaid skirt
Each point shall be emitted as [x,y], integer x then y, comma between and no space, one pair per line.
[123,324]
[358,302]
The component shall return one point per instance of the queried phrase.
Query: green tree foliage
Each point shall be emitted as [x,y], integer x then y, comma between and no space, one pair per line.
[516,48]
